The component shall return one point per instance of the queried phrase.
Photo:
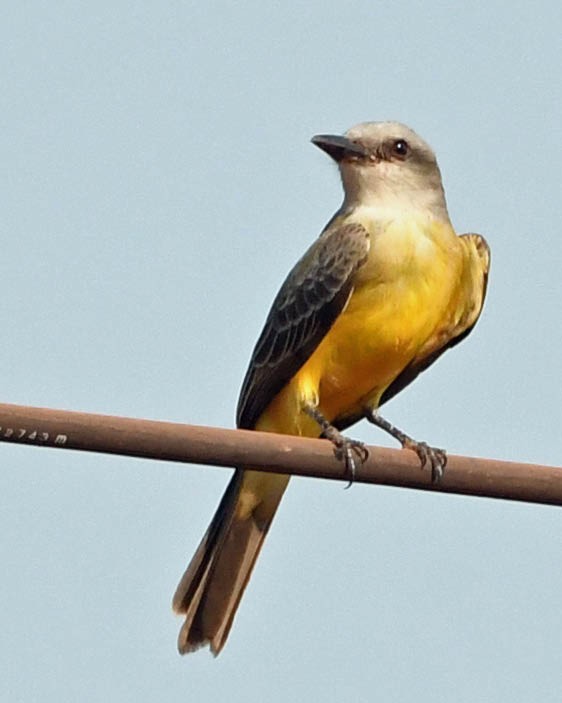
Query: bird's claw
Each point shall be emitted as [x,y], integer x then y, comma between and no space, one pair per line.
[345,449]
[350,451]
[436,458]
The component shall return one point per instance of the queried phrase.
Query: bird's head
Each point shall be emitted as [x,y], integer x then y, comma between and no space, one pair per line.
[386,164]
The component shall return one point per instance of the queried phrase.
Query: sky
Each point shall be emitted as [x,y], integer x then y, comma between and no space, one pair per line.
[158,183]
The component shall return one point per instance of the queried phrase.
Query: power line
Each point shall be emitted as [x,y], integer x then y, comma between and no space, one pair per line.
[63,429]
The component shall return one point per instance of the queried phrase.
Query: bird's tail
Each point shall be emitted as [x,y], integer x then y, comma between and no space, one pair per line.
[211,588]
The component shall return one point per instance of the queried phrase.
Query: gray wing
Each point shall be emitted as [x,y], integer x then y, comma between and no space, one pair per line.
[311,298]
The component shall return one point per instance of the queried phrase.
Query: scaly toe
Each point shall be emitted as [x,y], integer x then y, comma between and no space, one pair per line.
[438,461]
[350,451]
[436,458]
[422,449]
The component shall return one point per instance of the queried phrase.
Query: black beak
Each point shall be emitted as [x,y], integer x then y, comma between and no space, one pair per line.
[338,147]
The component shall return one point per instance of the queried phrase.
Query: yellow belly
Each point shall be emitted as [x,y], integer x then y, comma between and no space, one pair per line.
[401,298]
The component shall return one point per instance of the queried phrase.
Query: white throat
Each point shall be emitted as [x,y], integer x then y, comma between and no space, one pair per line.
[394,194]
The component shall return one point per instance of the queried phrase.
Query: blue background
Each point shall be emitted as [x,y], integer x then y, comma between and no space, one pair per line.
[157,185]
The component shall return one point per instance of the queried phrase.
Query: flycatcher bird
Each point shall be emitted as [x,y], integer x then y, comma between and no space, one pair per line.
[378,297]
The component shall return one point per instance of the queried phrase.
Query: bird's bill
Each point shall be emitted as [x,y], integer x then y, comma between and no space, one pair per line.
[338,147]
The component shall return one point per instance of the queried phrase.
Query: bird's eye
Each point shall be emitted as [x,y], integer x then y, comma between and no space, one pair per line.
[400,148]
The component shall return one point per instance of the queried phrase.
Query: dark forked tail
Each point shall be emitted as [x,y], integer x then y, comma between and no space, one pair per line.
[211,588]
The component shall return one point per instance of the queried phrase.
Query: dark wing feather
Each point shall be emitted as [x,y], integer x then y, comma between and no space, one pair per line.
[311,298]
[413,370]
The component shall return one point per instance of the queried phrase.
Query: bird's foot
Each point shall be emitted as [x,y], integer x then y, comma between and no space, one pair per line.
[349,451]
[435,458]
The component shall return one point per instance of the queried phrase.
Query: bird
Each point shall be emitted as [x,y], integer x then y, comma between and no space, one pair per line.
[383,292]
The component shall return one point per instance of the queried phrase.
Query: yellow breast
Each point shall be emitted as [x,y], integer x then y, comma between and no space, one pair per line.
[400,297]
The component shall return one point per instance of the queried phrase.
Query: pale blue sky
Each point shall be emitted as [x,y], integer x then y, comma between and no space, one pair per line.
[158,183]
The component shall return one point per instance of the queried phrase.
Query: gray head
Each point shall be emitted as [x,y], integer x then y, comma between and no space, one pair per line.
[387,165]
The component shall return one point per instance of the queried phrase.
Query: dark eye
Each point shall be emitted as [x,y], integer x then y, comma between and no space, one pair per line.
[400,148]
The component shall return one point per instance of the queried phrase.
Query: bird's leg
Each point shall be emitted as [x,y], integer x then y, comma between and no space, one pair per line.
[436,458]
[345,449]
